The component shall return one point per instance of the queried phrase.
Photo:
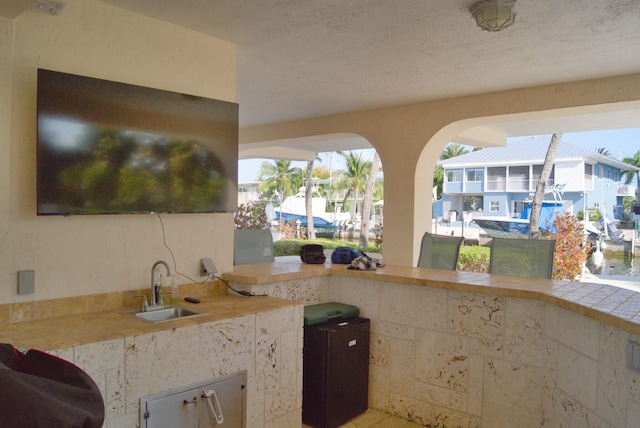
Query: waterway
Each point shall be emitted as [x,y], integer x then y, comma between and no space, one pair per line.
[619,266]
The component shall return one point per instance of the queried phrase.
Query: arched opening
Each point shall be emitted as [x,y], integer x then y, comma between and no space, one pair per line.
[494,131]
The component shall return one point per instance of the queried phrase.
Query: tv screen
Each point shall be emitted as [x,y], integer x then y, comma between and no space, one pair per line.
[113,148]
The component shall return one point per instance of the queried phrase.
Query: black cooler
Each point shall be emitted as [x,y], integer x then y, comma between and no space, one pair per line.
[335,364]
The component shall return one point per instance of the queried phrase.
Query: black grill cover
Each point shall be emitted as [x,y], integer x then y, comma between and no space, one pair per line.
[40,390]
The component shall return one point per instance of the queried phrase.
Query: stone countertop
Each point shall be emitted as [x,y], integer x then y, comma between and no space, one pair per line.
[71,330]
[612,305]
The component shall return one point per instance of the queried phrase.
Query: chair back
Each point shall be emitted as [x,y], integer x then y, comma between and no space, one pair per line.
[530,258]
[439,251]
[252,246]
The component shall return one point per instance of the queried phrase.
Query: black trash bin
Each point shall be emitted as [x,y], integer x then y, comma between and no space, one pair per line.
[335,364]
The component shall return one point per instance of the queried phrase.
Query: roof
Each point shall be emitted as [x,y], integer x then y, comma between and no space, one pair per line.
[529,150]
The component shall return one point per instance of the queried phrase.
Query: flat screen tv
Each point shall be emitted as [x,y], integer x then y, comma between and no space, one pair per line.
[113,148]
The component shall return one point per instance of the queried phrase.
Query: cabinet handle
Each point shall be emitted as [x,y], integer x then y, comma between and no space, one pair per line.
[207,394]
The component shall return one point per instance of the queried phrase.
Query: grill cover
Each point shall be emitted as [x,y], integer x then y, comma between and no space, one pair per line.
[40,390]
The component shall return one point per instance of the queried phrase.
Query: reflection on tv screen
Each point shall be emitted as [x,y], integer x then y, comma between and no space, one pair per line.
[107,148]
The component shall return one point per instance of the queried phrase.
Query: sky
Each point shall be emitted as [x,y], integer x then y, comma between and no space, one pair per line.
[621,143]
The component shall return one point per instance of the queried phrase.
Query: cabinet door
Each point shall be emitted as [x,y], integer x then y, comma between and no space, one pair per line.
[178,410]
[228,409]
[189,406]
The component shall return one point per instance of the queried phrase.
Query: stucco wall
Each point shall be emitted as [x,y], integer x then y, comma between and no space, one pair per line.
[410,138]
[89,254]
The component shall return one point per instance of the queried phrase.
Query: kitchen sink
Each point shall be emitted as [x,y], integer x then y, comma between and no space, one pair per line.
[166,314]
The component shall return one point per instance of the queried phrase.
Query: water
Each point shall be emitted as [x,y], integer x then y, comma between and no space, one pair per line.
[625,266]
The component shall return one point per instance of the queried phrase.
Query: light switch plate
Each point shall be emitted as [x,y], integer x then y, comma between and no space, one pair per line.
[26,281]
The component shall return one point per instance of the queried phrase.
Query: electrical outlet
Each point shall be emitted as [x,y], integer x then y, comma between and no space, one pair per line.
[207,267]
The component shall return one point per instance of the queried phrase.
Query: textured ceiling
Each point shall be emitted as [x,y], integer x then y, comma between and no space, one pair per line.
[300,59]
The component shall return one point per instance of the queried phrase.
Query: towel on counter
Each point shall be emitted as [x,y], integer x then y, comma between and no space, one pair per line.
[40,390]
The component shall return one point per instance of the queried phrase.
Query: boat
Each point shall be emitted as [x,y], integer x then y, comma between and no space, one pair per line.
[518,226]
[293,210]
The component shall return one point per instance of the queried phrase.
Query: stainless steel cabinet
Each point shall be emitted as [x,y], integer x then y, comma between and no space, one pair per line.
[219,402]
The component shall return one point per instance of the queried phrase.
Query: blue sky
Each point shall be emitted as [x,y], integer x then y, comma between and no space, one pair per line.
[621,143]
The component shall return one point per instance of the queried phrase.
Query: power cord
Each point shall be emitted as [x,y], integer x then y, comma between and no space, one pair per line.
[209,276]
[240,292]
[173,258]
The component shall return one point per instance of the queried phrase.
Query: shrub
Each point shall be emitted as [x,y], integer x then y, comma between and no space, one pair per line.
[291,247]
[474,259]
[250,216]
[570,252]
[594,214]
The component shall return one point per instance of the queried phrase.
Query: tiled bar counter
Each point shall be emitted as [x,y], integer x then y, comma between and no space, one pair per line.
[130,358]
[456,349]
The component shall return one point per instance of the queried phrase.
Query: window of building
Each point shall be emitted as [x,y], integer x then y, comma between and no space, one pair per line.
[588,176]
[536,172]
[600,172]
[494,206]
[454,176]
[518,178]
[615,176]
[497,178]
[475,174]
[518,206]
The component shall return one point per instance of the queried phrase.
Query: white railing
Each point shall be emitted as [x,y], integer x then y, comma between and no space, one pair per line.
[626,190]
[497,185]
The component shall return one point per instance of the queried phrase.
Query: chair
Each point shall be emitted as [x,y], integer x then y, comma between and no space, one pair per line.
[439,251]
[252,246]
[530,258]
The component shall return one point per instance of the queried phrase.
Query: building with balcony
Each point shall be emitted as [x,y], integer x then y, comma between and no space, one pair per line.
[500,181]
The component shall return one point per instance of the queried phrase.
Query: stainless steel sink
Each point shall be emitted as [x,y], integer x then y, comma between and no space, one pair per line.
[166,314]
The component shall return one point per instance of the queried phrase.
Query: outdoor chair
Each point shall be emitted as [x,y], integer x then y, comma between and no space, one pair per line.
[530,258]
[252,246]
[439,251]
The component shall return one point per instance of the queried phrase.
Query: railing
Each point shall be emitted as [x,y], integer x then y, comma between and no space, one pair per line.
[497,185]
[518,184]
[535,181]
[626,190]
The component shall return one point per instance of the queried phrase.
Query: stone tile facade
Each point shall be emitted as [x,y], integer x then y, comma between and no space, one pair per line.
[450,358]
[267,344]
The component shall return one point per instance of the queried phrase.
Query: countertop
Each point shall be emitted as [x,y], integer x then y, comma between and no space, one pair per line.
[612,305]
[77,329]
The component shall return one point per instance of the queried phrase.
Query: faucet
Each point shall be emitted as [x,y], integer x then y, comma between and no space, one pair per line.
[156,290]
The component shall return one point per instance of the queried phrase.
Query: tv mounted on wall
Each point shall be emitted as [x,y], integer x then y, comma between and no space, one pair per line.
[113,148]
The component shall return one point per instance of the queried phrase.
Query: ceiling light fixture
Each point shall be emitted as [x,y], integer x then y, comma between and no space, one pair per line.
[494,15]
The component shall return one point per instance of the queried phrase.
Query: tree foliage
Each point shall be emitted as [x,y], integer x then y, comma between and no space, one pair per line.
[354,177]
[629,175]
[368,201]
[570,252]
[279,179]
[453,150]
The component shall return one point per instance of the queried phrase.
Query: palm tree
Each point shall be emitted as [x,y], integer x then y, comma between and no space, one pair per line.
[453,150]
[603,151]
[368,201]
[355,175]
[278,178]
[629,174]
[308,199]
[536,203]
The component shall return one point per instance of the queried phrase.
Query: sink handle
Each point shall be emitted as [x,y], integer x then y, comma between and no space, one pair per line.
[217,415]
[145,304]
